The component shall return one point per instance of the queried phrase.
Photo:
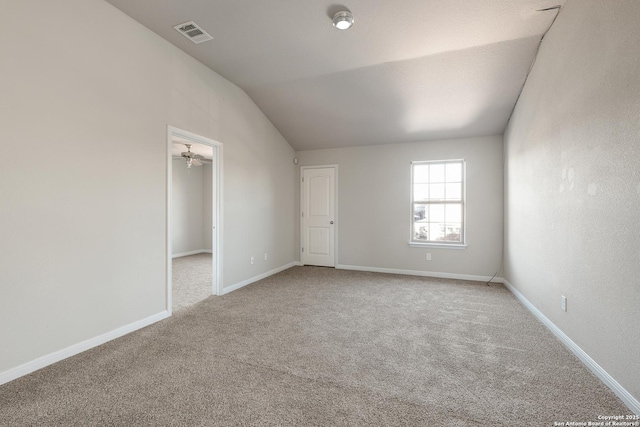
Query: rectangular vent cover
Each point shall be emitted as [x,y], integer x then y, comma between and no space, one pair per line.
[193,32]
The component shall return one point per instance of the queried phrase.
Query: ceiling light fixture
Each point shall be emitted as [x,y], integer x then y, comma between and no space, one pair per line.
[343,20]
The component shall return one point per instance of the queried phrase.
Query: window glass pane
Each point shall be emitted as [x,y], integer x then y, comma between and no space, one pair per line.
[420,173]
[436,172]
[453,191]
[453,213]
[454,172]
[420,192]
[436,191]
[453,232]
[419,213]
[436,231]
[421,231]
[436,213]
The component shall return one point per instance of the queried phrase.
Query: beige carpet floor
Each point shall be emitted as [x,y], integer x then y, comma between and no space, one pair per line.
[191,280]
[313,346]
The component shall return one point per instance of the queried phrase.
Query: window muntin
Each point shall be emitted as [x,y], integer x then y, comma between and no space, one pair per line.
[437,202]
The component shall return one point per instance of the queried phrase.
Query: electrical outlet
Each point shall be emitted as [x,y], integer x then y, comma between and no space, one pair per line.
[253,260]
[428,256]
[563,303]
[265,256]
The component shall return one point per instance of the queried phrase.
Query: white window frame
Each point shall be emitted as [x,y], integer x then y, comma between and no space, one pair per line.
[433,243]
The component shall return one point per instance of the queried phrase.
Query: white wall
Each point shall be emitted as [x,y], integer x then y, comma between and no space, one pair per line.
[573,183]
[85,99]
[187,208]
[374,205]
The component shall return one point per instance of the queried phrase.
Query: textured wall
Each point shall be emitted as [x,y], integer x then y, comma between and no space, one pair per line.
[573,183]
[85,99]
[374,205]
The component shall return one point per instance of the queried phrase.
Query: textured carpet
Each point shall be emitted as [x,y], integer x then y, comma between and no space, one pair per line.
[191,280]
[314,346]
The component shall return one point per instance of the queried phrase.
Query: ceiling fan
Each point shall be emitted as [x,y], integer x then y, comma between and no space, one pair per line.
[192,159]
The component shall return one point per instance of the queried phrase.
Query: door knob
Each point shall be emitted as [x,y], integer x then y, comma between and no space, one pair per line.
[331,222]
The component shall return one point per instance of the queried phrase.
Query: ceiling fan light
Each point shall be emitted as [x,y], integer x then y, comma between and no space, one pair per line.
[343,20]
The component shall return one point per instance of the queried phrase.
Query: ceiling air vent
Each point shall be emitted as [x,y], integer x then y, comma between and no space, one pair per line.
[193,32]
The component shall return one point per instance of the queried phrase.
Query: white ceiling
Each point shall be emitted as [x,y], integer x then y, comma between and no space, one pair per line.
[409,70]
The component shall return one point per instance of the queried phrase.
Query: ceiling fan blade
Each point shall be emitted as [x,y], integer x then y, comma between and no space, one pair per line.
[205,160]
[197,162]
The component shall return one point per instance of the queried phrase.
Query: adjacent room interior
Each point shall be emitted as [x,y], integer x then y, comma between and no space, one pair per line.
[192,230]
[310,213]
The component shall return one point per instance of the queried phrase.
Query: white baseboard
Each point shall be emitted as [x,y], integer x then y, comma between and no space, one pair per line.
[604,376]
[239,285]
[72,350]
[418,273]
[199,251]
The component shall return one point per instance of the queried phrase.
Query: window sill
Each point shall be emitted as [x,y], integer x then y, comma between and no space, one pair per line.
[438,245]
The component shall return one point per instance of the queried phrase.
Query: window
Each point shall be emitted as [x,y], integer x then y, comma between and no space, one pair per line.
[437,202]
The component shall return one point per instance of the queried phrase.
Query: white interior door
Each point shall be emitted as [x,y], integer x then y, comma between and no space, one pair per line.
[318,216]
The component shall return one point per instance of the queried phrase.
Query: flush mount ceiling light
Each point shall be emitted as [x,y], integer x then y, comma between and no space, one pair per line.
[343,20]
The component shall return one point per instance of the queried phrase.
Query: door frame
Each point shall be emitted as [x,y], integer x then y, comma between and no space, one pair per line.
[217,220]
[335,208]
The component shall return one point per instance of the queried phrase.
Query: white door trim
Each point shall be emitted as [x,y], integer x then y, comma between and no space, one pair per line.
[336,210]
[216,238]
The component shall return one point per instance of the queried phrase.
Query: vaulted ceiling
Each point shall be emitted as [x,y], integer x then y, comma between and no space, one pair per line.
[409,70]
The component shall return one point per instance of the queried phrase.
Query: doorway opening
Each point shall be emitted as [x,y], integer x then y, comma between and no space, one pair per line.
[194,219]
